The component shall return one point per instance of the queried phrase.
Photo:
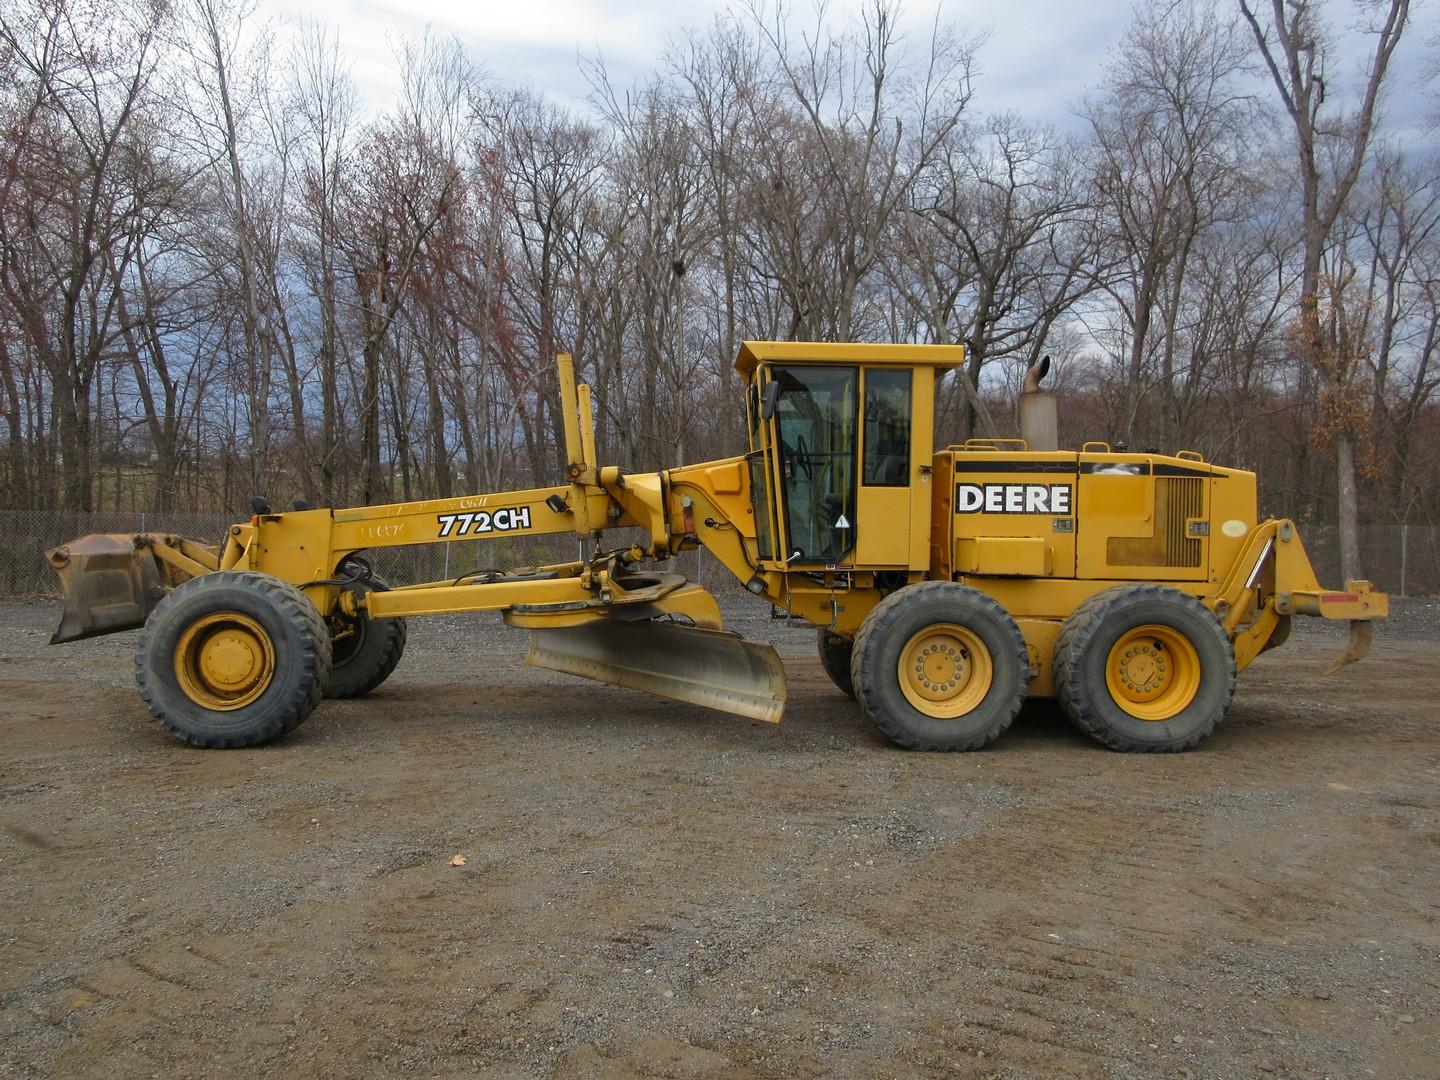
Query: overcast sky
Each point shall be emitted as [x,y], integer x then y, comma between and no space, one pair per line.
[1040,58]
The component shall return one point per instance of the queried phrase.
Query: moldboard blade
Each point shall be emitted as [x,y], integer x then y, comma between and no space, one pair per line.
[703,667]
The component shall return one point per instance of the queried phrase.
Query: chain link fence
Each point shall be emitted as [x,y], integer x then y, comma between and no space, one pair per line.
[1400,559]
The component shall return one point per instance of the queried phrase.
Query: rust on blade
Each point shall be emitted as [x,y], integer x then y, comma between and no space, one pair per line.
[1362,635]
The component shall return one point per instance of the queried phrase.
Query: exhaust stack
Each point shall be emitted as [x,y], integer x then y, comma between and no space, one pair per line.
[1039,413]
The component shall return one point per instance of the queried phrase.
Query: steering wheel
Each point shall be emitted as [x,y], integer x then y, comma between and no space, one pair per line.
[802,457]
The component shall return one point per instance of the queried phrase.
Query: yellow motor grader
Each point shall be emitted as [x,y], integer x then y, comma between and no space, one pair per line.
[946,586]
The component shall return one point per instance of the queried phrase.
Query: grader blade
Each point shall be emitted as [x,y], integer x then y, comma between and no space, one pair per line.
[110,583]
[703,667]
[1362,635]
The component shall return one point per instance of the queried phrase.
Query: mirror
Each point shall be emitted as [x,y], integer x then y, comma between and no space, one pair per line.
[769,399]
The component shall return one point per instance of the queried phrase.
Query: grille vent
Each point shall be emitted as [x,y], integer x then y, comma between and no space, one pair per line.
[1186,500]
[1176,499]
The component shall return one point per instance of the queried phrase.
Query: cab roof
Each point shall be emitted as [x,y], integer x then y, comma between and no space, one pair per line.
[755,353]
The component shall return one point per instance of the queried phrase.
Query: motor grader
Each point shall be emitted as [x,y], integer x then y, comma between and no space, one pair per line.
[946,586]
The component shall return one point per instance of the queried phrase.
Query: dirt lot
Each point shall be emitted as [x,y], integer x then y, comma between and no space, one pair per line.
[651,889]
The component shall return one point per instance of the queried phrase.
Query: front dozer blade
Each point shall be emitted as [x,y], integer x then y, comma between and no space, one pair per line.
[110,584]
[1362,634]
[703,667]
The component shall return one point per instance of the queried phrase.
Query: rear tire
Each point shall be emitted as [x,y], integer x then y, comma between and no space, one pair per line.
[365,650]
[1144,667]
[233,658]
[940,666]
[835,654]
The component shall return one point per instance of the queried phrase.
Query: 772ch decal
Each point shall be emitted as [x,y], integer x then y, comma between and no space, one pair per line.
[472,523]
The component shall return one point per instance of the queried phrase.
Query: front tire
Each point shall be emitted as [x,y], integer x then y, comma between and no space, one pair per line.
[365,650]
[232,659]
[1144,667]
[940,666]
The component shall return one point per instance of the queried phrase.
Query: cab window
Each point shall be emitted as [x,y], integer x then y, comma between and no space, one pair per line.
[887,428]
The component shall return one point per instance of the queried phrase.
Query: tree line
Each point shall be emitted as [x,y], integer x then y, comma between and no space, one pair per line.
[220,276]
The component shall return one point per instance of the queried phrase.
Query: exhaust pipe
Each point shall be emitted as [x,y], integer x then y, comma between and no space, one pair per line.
[1039,411]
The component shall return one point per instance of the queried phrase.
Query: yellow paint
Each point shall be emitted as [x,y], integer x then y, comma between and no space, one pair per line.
[224,661]
[945,670]
[1153,672]
[1006,556]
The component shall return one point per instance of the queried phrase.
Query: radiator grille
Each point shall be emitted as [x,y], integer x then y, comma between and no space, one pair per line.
[1177,498]
[1186,499]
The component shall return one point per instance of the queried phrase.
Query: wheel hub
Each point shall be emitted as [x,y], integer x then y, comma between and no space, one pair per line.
[224,661]
[945,670]
[230,659]
[941,667]
[1143,669]
[1152,672]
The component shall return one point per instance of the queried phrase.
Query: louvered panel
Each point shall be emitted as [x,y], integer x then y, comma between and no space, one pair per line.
[1186,500]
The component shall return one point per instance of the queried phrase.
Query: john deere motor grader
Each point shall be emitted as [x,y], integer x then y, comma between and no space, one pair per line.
[946,586]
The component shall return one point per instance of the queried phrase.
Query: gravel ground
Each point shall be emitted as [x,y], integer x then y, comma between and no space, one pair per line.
[650,889]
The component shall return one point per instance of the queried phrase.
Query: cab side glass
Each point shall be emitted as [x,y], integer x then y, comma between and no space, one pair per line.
[887,429]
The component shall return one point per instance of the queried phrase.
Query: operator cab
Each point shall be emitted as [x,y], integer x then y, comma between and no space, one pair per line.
[842,434]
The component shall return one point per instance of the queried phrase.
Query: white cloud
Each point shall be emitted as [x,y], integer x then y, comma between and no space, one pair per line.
[1039,60]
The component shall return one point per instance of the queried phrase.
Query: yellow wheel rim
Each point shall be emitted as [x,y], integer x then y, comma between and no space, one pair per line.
[1153,672]
[945,670]
[224,661]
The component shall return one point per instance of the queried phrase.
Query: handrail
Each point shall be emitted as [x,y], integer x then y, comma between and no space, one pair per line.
[995,444]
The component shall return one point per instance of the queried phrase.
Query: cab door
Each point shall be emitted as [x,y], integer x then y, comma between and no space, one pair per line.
[759,464]
[886,469]
[815,443]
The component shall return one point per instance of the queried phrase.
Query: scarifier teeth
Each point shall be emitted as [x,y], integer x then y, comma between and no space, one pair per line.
[1362,635]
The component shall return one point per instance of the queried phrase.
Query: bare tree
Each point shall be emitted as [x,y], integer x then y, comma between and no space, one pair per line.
[81,74]
[856,118]
[1331,143]
[1171,134]
[400,186]
[552,166]
[999,243]
[221,100]
[325,102]
[1395,221]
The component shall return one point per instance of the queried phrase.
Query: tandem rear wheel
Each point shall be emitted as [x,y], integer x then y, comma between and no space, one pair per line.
[1144,667]
[232,659]
[940,666]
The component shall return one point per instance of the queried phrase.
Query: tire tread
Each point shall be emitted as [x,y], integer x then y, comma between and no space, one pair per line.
[314,659]
[879,621]
[1074,696]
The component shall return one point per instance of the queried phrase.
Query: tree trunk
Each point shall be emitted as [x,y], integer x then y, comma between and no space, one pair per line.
[1348,508]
